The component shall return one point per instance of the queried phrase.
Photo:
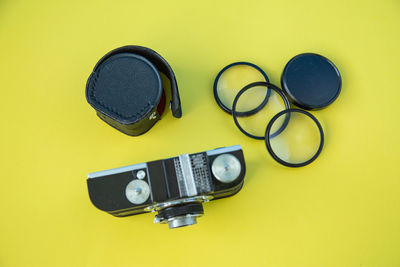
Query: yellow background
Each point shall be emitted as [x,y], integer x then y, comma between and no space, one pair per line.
[342,210]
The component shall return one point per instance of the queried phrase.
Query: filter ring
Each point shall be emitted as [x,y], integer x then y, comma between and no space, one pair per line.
[268,143]
[249,86]
[229,110]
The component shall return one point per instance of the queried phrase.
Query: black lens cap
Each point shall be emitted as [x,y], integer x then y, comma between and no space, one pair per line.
[311,81]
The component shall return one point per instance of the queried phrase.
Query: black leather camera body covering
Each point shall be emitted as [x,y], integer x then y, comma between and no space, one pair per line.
[127,91]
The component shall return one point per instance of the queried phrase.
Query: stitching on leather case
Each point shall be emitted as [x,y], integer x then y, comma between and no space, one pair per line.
[92,89]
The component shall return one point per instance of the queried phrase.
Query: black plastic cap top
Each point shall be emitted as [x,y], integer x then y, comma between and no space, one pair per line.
[311,81]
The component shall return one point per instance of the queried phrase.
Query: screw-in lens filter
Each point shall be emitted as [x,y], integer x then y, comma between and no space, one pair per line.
[231,79]
[254,125]
[299,142]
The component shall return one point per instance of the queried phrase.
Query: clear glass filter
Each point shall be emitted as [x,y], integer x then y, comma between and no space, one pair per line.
[268,101]
[294,137]
[232,79]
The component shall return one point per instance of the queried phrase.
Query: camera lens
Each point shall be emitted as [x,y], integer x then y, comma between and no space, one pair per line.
[299,140]
[180,215]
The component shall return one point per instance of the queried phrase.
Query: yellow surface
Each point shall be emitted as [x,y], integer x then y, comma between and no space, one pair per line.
[343,210]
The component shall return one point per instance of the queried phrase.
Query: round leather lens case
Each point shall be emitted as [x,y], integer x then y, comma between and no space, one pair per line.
[127,91]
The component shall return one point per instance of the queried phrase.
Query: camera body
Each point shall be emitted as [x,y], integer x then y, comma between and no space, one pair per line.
[174,187]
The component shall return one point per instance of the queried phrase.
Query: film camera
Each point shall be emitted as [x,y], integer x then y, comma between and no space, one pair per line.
[175,187]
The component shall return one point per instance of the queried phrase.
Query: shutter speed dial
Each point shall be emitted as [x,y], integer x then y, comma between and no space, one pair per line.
[226,168]
[137,191]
